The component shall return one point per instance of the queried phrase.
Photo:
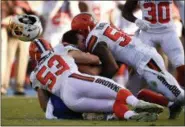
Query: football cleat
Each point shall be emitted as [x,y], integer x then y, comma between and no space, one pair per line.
[175,110]
[144,117]
[94,116]
[143,106]
[111,117]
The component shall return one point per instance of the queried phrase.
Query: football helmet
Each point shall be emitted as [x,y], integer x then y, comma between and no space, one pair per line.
[84,23]
[25,27]
[39,48]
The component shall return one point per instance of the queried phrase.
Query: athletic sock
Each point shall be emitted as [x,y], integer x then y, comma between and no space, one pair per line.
[129,113]
[132,100]
[153,97]
[126,97]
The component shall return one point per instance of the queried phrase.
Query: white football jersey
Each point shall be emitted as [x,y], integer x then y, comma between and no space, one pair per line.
[158,13]
[51,72]
[126,50]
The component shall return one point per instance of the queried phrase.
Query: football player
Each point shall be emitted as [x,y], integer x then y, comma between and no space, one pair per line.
[104,38]
[52,105]
[157,27]
[57,73]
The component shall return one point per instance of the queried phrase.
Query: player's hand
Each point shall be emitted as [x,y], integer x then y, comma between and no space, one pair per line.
[142,24]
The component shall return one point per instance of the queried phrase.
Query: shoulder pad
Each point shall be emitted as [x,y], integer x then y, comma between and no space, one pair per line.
[100,26]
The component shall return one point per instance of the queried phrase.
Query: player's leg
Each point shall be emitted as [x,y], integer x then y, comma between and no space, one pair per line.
[90,97]
[162,81]
[97,94]
[12,48]
[135,83]
[146,38]
[21,66]
[3,58]
[93,87]
[57,108]
[172,46]
[153,97]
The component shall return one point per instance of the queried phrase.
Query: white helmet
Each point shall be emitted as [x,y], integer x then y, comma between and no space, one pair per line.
[25,27]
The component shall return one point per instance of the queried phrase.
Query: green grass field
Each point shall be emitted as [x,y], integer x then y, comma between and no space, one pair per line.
[25,111]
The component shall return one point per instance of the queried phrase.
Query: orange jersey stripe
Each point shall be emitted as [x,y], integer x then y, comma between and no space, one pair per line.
[122,69]
[86,78]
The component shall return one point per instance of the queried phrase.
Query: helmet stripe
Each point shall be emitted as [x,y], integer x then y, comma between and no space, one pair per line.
[40,45]
[43,44]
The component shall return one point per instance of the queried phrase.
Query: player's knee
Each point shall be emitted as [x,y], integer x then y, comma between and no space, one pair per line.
[178,60]
[181,97]
[171,98]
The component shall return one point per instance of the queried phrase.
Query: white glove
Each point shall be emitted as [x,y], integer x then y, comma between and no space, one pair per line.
[142,24]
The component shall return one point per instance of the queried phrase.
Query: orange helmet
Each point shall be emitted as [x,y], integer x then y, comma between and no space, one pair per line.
[83,22]
[39,48]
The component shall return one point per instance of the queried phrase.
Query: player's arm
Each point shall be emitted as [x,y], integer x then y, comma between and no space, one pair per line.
[128,9]
[84,58]
[43,97]
[85,61]
[109,65]
[180,6]
[90,69]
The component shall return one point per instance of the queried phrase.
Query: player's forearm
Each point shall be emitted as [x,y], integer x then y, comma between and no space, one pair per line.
[90,59]
[128,9]
[109,65]
[92,70]
[85,58]
[129,16]
[43,98]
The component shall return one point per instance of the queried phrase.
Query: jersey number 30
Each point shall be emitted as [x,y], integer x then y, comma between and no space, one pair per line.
[61,66]
[160,9]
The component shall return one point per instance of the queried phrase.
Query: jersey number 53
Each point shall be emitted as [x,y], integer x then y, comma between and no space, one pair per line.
[61,66]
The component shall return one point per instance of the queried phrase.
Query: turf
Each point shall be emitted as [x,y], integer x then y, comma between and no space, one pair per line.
[25,111]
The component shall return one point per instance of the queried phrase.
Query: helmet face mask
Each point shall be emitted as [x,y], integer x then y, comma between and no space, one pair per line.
[25,27]
[16,29]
